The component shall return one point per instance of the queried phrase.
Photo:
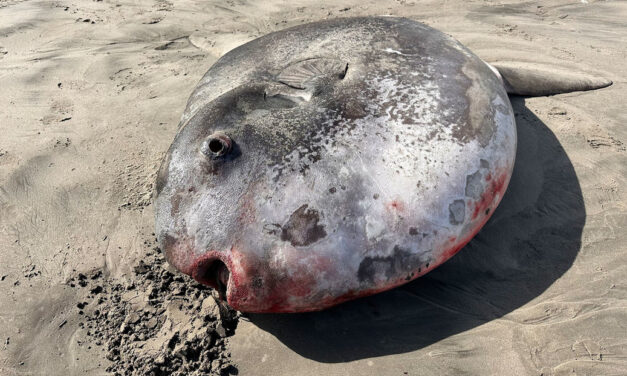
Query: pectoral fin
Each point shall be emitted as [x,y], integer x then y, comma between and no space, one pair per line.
[303,74]
[532,79]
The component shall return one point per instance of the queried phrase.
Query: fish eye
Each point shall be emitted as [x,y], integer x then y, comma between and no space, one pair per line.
[216,145]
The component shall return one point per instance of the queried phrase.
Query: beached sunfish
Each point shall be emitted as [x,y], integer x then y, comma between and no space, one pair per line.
[338,159]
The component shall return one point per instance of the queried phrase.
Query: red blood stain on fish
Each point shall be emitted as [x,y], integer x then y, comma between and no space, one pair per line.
[254,286]
[496,187]
[395,205]
[490,198]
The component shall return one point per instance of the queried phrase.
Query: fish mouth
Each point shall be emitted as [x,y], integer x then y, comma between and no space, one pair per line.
[212,270]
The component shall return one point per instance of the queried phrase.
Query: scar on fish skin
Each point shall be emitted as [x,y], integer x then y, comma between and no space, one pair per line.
[303,228]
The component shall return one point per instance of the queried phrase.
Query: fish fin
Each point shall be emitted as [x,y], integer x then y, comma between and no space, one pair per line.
[304,74]
[536,80]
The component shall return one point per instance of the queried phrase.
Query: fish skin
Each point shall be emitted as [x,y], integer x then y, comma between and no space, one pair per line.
[366,152]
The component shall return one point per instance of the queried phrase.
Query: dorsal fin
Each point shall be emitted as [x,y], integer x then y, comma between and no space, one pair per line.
[533,79]
[304,74]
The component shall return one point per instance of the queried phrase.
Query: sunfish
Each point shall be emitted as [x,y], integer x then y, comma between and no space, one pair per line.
[338,159]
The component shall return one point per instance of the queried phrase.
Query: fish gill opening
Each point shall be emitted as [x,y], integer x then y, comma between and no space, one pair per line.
[213,273]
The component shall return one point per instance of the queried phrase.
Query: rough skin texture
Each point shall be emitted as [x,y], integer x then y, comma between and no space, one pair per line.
[366,152]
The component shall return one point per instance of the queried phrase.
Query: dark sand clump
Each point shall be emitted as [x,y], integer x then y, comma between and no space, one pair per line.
[157,323]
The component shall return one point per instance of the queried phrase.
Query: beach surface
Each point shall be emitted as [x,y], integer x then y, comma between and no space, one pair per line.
[91,93]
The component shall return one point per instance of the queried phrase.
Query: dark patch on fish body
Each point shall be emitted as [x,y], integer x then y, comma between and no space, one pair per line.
[399,263]
[457,212]
[479,115]
[303,227]
[474,185]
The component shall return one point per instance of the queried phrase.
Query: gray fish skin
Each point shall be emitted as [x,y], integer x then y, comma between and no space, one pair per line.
[364,153]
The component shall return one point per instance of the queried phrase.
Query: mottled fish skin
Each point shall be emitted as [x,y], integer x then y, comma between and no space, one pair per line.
[366,152]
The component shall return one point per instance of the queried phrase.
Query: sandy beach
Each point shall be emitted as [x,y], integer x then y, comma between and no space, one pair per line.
[91,93]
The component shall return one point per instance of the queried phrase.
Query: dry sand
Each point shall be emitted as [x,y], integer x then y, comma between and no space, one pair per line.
[90,96]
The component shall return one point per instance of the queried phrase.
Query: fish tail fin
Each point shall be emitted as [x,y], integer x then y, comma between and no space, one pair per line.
[536,80]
